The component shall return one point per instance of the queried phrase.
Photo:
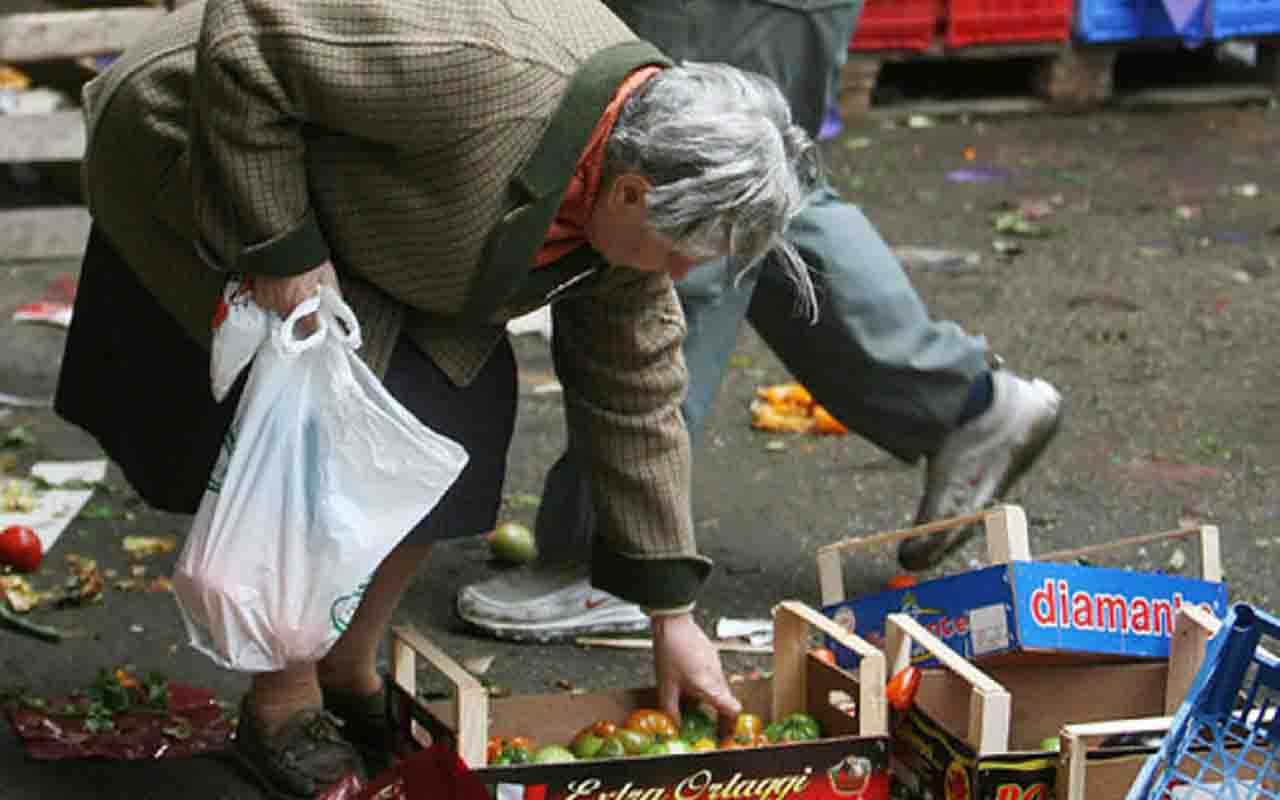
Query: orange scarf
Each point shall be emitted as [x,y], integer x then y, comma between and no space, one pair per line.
[568,230]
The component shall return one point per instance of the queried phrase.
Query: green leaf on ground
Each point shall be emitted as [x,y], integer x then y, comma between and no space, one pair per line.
[18,436]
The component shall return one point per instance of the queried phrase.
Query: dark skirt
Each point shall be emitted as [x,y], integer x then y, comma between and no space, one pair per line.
[134,380]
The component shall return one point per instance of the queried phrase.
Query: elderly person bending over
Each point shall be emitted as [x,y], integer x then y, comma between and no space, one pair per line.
[449,166]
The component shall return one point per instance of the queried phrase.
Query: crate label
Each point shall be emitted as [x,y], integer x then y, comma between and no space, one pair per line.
[840,768]
[988,629]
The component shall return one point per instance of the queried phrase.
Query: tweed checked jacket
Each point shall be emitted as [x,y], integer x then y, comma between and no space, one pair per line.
[423,147]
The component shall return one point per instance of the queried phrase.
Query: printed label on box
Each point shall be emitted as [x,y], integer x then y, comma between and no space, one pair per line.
[843,768]
[988,629]
[929,763]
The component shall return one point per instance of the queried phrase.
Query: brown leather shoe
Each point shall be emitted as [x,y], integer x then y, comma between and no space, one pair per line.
[367,724]
[302,759]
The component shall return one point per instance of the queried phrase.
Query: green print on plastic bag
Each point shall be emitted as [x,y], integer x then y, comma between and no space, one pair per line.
[345,606]
[224,461]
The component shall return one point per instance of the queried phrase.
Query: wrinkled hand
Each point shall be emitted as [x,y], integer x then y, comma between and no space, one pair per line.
[281,295]
[686,662]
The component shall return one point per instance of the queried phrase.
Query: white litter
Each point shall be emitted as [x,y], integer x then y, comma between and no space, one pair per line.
[538,322]
[758,632]
[56,508]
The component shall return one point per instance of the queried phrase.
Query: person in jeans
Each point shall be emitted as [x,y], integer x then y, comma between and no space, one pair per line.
[448,166]
[914,386]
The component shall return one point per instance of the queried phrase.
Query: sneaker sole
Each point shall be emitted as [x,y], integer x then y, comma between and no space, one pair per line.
[555,632]
[1017,469]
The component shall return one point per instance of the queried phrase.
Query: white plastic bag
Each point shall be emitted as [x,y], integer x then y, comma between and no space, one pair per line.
[322,473]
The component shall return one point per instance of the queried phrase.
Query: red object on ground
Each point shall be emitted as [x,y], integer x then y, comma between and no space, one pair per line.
[897,25]
[195,725]
[20,548]
[971,22]
[62,288]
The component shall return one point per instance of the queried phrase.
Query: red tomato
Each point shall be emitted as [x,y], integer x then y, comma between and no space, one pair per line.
[20,548]
[901,689]
[522,742]
[494,748]
[824,655]
[657,724]
[602,727]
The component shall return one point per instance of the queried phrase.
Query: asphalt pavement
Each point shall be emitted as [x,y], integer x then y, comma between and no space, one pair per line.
[1148,299]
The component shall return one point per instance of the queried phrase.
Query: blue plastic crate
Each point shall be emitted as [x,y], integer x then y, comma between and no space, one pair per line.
[1225,739]
[1124,20]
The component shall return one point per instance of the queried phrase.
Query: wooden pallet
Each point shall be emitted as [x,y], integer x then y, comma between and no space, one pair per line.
[1067,77]
[57,232]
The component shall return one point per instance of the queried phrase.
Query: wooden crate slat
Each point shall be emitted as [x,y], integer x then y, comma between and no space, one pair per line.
[31,234]
[57,136]
[46,36]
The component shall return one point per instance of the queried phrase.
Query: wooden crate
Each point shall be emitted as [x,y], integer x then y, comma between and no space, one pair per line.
[800,682]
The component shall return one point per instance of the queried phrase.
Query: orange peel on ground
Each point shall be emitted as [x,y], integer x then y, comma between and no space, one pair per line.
[789,408]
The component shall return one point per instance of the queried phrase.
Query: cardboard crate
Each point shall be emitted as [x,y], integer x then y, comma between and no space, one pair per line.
[850,763]
[1019,607]
[977,733]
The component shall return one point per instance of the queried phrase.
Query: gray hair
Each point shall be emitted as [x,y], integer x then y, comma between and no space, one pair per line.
[729,169]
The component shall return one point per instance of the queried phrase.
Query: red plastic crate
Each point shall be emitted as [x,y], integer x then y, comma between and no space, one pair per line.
[970,22]
[897,25]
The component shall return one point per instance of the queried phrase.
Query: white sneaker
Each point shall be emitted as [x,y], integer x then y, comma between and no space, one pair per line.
[981,461]
[546,604]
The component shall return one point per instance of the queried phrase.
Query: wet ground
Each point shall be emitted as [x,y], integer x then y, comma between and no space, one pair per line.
[1150,303]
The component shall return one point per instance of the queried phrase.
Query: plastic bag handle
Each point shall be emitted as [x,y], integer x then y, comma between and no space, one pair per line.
[287,336]
[347,329]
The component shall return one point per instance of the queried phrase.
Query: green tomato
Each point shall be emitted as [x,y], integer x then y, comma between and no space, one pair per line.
[513,543]
[634,742]
[696,724]
[514,755]
[586,745]
[611,748]
[796,727]
[553,754]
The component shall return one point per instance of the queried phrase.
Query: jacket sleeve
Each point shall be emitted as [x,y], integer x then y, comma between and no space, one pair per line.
[248,153]
[618,355]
